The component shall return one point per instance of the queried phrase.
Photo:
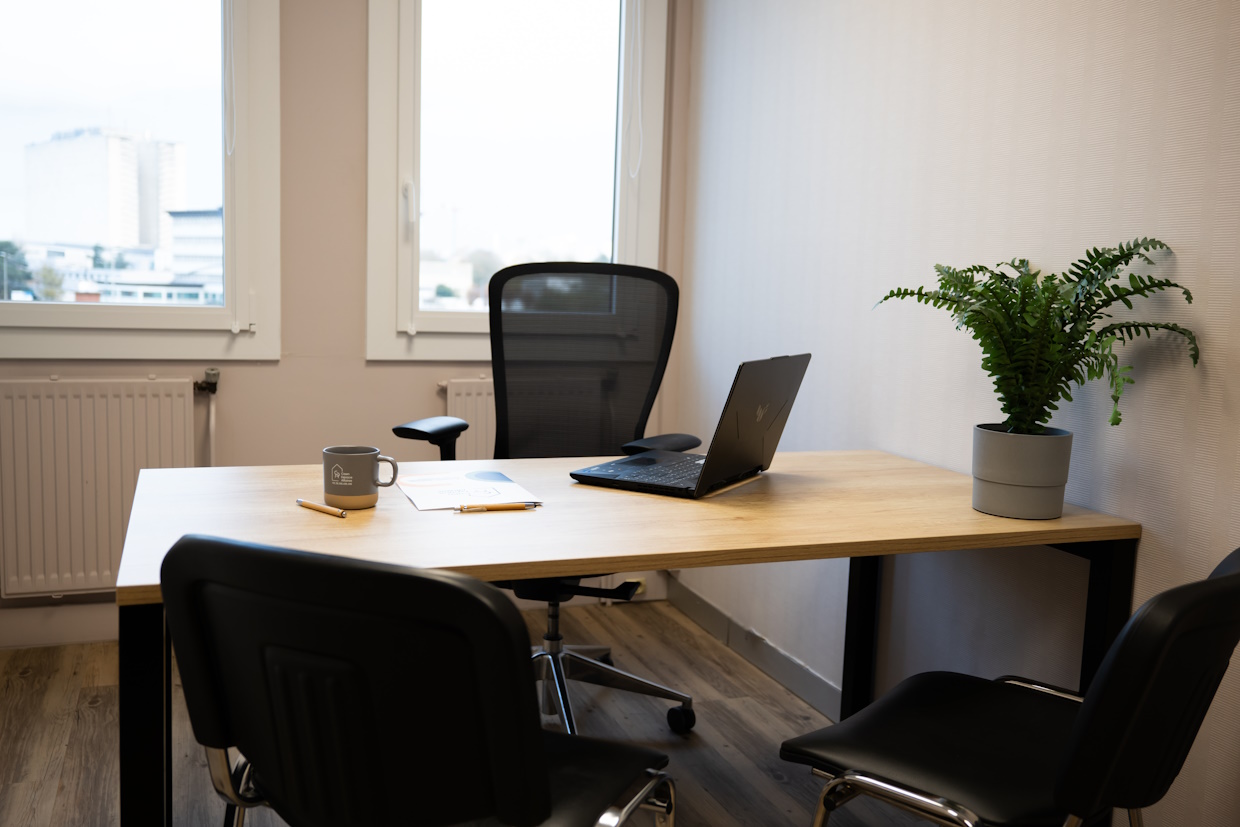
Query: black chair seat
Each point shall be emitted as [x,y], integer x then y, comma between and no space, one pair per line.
[996,746]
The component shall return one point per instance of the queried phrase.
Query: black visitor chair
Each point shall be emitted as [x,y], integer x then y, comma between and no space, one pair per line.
[301,662]
[577,353]
[966,751]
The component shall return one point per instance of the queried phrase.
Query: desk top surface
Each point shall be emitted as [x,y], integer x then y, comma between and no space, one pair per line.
[810,505]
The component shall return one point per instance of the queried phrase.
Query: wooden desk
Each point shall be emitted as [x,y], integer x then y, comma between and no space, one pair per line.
[857,504]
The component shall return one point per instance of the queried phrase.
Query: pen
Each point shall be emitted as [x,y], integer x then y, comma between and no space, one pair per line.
[326,509]
[497,507]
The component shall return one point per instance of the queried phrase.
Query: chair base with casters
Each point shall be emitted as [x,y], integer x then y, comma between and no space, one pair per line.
[556,663]
[961,750]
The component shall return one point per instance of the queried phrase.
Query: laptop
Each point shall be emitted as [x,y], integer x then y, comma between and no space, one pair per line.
[745,440]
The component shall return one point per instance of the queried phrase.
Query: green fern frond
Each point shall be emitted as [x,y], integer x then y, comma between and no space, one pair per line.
[1040,336]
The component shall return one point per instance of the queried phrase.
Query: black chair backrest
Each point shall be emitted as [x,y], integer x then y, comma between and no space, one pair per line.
[1150,695]
[361,693]
[577,351]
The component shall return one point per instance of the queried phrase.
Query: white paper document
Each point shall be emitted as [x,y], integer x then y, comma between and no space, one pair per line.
[435,492]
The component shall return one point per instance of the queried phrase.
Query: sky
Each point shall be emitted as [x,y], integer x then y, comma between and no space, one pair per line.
[518,127]
[141,66]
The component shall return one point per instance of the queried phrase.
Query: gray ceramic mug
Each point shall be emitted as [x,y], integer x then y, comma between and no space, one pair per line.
[351,476]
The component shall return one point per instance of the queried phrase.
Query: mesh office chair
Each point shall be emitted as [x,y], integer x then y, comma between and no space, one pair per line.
[966,751]
[289,657]
[577,353]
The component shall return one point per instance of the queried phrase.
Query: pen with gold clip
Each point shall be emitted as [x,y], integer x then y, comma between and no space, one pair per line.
[325,509]
[496,507]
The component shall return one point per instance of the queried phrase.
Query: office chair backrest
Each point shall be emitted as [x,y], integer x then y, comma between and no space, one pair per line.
[578,352]
[1150,695]
[361,693]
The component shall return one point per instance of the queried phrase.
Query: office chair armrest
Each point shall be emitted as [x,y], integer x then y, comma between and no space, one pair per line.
[433,429]
[437,430]
[625,591]
[662,442]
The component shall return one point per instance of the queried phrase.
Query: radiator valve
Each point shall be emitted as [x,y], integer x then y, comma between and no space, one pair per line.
[210,381]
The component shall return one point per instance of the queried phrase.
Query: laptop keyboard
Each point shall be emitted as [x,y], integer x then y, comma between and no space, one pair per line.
[682,470]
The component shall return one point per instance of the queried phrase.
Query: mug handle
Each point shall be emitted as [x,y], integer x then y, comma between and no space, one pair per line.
[390,462]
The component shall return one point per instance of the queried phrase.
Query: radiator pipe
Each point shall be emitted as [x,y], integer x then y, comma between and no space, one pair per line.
[209,385]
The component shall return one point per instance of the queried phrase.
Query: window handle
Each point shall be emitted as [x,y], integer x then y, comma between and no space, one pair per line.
[410,192]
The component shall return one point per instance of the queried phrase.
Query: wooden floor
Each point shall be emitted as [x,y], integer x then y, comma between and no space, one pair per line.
[58,731]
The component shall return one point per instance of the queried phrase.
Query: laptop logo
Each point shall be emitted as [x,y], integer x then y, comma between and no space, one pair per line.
[762,409]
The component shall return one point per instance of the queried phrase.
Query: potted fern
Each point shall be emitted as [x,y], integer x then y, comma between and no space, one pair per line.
[1040,335]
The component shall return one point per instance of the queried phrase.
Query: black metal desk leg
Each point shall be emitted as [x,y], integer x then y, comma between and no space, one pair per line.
[145,717]
[865,576]
[1108,604]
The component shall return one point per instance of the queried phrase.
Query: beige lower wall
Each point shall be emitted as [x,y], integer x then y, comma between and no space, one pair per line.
[830,151]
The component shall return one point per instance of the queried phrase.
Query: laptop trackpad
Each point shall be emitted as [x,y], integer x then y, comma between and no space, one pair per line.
[635,461]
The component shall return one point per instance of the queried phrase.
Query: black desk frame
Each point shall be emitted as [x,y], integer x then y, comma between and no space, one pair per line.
[146,666]
[1108,604]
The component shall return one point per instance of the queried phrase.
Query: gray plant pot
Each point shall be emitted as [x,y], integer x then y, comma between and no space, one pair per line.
[1020,475]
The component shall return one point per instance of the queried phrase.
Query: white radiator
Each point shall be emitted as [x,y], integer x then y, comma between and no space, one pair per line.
[70,452]
[474,401]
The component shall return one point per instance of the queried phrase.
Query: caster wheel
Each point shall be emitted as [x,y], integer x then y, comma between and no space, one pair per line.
[681,720]
[606,659]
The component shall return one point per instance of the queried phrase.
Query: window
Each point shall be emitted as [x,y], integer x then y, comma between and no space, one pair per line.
[503,133]
[139,180]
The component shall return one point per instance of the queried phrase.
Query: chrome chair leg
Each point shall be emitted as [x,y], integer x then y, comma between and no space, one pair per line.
[555,663]
[549,670]
[842,788]
[1134,818]
[823,814]
[561,691]
[589,651]
[595,652]
[833,797]
[588,670]
[648,798]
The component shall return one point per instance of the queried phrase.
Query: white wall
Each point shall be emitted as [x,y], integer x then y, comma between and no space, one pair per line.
[829,151]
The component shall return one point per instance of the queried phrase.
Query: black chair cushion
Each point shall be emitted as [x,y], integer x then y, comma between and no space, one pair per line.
[992,747]
[588,776]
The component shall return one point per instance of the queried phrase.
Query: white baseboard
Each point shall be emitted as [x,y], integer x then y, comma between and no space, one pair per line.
[57,625]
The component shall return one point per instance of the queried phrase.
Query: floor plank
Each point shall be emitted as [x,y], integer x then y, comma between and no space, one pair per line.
[37,710]
[87,793]
[58,730]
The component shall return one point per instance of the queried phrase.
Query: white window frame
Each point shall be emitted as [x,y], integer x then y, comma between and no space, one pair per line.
[248,325]
[396,328]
